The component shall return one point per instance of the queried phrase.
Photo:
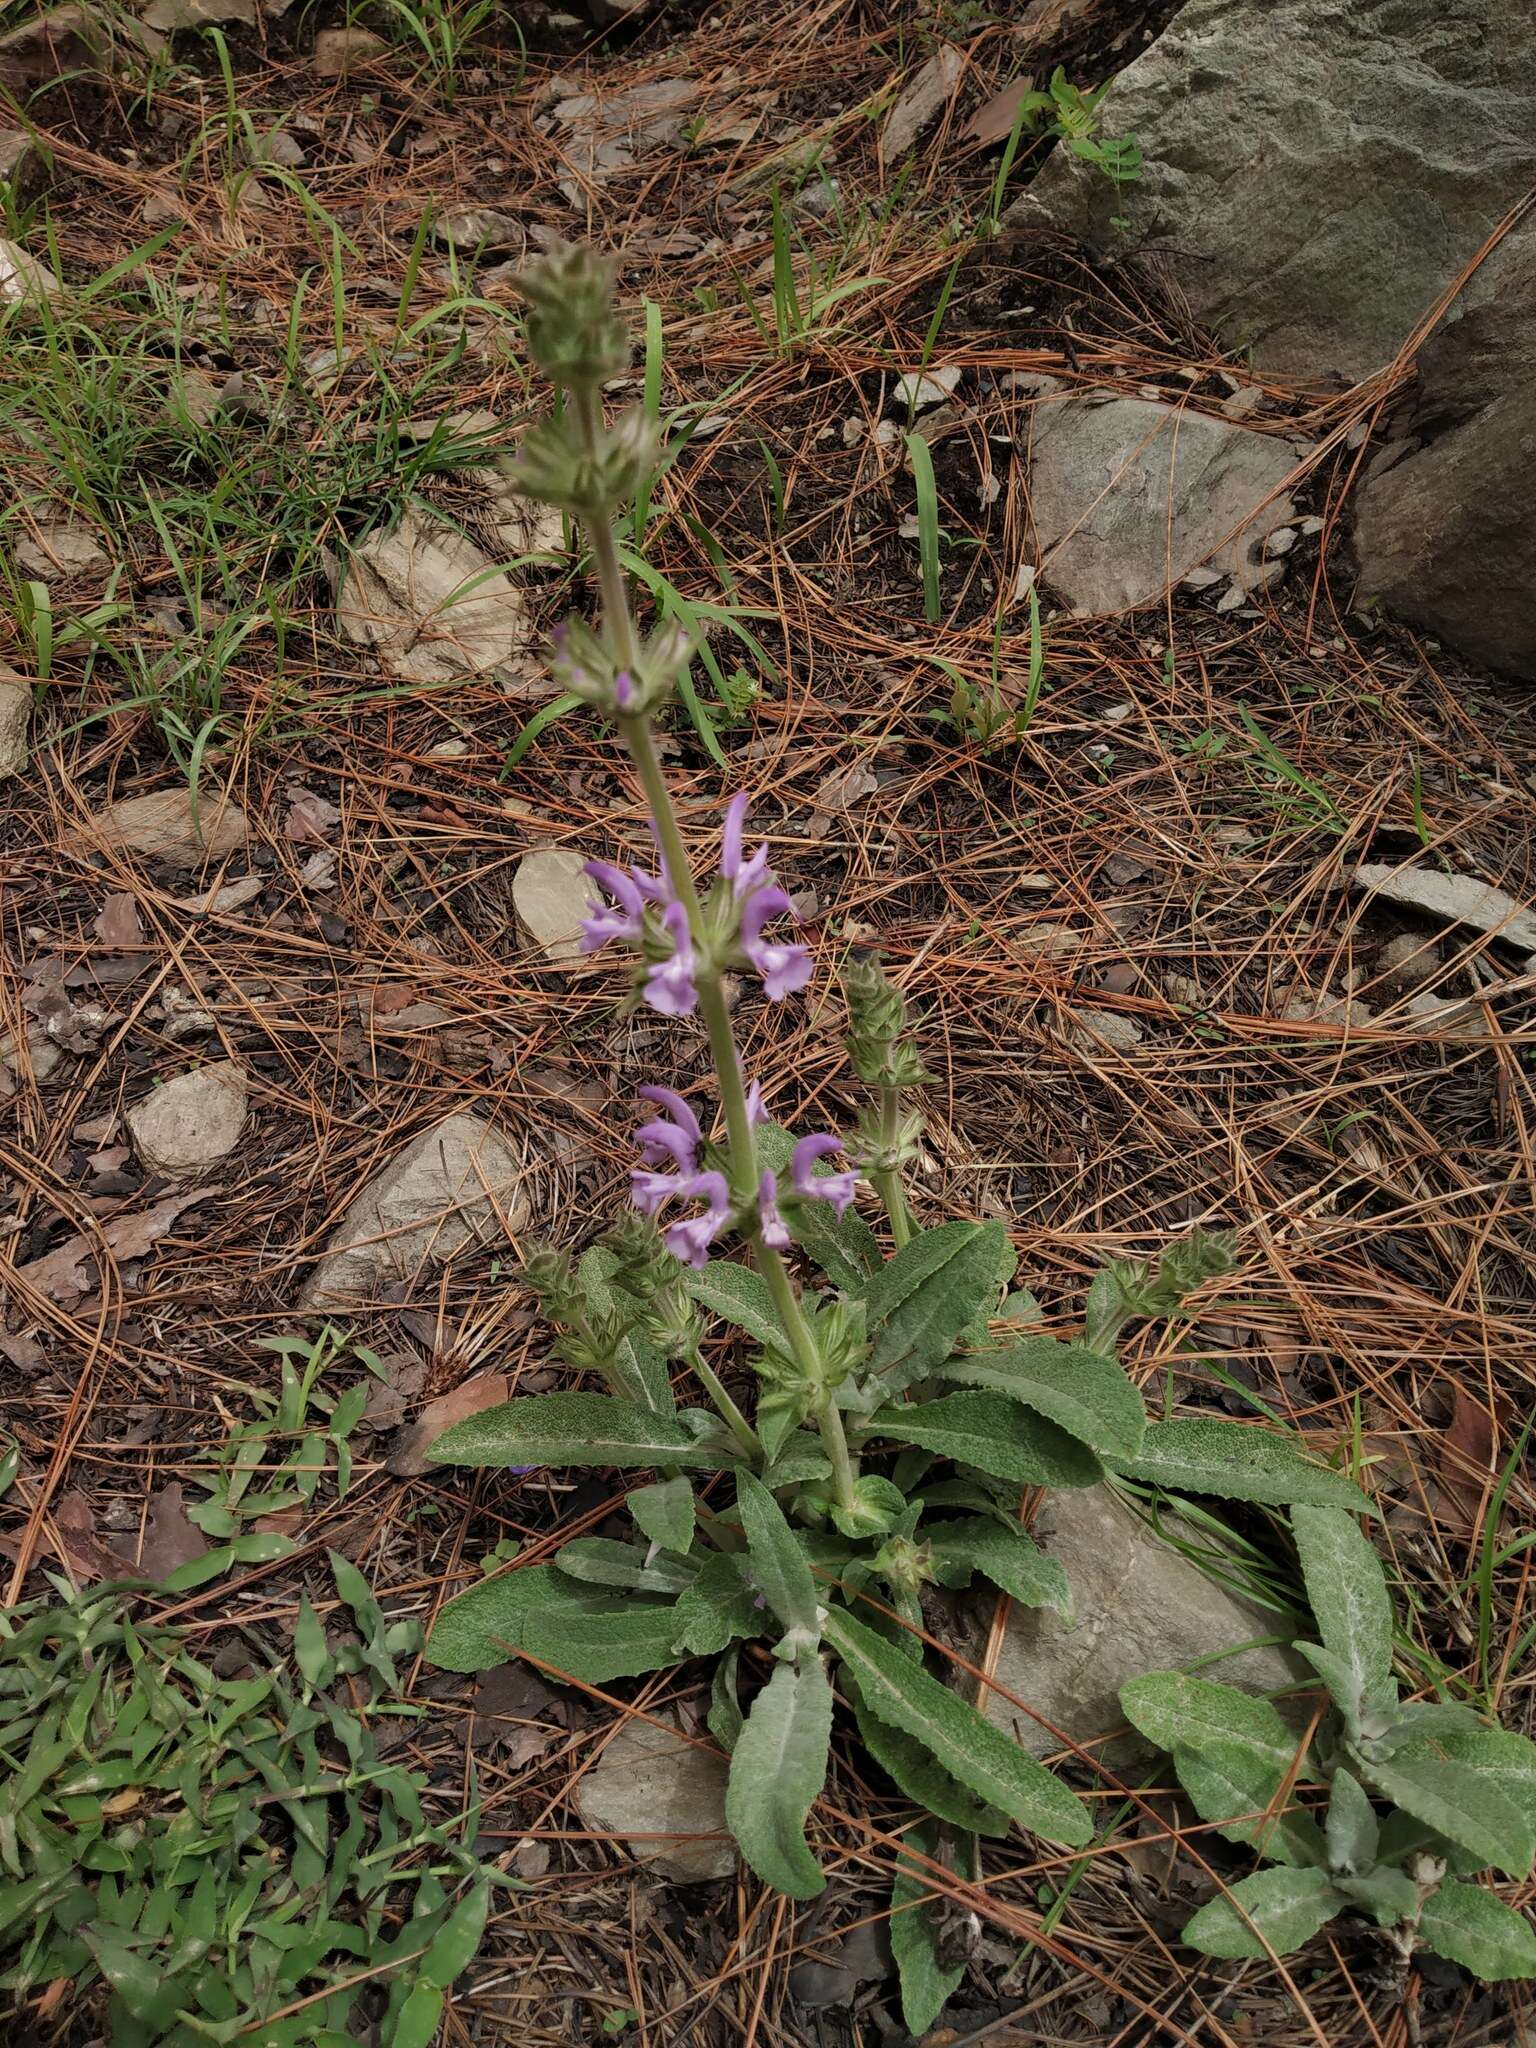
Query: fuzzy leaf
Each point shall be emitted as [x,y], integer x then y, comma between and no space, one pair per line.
[995,1435]
[1470,1926]
[1354,1833]
[918,1302]
[718,1607]
[900,1692]
[778,1768]
[926,1983]
[1348,1591]
[664,1513]
[572,1429]
[724,1719]
[778,1563]
[1458,1803]
[1286,1907]
[640,1366]
[601,1561]
[880,1507]
[1502,1758]
[1005,1554]
[1238,1462]
[921,1777]
[1389,1896]
[588,1635]
[741,1296]
[1224,1780]
[1089,1396]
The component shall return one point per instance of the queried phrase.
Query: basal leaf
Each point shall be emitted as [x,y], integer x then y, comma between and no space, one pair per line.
[740,1296]
[778,1563]
[995,1435]
[919,1301]
[1502,1758]
[665,1513]
[1285,1907]
[926,1982]
[898,1691]
[778,1768]
[1240,1463]
[602,1561]
[1227,1784]
[1088,1396]
[1389,1896]
[1458,1803]
[1470,1926]
[920,1775]
[571,1429]
[1005,1554]
[724,1719]
[1348,1592]
[585,1634]
[1354,1833]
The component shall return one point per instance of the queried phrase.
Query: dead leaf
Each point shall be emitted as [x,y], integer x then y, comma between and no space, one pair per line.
[170,1540]
[993,120]
[117,922]
[69,1534]
[312,818]
[530,1858]
[845,787]
[1467,1460]
[284,1522]
[486,1390]
[68,1271]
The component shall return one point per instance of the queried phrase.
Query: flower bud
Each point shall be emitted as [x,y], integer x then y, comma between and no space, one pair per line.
[574,334]
[878,1049]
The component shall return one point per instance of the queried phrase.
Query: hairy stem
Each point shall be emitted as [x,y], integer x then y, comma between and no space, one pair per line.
[888,1181]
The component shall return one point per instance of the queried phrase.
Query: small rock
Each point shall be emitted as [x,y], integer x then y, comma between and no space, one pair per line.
[429,602]
[162,825]
[1279,541]
[1460,1019]
[41,1056]
[1408,962]
[21,164]
[279,147]
[67,549]
[1050,941]
[340,50]
[1138,1605]
[170,15]
[479,227]
[15,715]
[455,1183]
[1094,1030]
[549,893]
[929,91]
[1453,899]
[190,1123]
[656,1790]
[913,391]
[22,277]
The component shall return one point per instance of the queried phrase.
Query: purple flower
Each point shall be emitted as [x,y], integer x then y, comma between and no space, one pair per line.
[770,1224]
[649,1189]
[678,1140]
[836,1188]
[784,969]
[624,689]
[756,1112]
[623,918]
[669,983]
[690,1241]
[743,876]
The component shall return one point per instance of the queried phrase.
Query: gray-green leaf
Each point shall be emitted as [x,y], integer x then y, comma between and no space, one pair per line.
[719,1607]
[641,1368]
[926,1983]
[1354,1833]
[779,1568]
[1389,1896]
[1005,1554]
[778,1767]
[665,1513]
[1238,1461]
[576,1630]
[1504,1759]
[601,1561]
[901,1692]
[572,1429]
[1285,1907]
[1457,1802]
[1470,1926]
[1089,1396]
[918,1302]
[1348,1591]
[919,1774]
[995,1435]
[740,1296]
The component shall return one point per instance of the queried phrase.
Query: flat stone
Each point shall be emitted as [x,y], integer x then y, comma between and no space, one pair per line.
[40,1058]
[1138,1605]
[1315,175]
[22,277]
[550,894]
[340,50]
[430,604]
[1091,1031]
[190,1123]
[162,825]
[66,549]
[665,1797]
[1129,496]
[1452,899]
[451,1186]
[15,717]
[930,90]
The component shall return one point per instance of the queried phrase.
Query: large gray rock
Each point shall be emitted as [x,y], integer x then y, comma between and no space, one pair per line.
[666,1797]
[1316,174]
[1137,1605]
[15,716]
[457,1182]
[1443,526]
[1127,495]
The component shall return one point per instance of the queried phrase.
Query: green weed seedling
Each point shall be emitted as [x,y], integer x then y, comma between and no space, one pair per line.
[902,1397]
[230,1857]
[1459,1794]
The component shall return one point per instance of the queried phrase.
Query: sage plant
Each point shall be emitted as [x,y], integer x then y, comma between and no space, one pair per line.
[904,1403]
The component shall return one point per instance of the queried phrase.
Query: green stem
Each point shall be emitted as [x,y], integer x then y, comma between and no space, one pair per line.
[803,1346]
[735,1421]
[888,1182]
